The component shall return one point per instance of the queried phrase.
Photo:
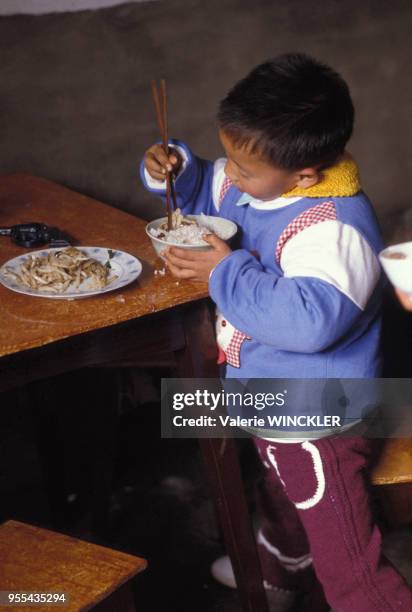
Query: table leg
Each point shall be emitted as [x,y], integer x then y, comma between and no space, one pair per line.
[222,465]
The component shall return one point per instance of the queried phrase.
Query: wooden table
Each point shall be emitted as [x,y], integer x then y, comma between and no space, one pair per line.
[152,317]
[34,560]
[35,331]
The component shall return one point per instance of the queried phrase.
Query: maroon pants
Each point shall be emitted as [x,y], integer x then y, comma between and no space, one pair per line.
[316,517]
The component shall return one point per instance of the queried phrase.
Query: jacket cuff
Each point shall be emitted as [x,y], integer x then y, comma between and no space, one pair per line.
[160,186]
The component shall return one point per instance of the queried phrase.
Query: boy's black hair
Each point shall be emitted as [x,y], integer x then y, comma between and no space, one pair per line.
[293,110]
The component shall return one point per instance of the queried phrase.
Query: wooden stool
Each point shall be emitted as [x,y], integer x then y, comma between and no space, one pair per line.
[34,560]
[392,474]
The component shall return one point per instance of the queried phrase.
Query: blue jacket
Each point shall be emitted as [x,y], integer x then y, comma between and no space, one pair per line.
[301,295]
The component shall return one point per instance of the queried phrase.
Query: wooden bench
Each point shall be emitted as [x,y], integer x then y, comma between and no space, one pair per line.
[392,475]
[34,560]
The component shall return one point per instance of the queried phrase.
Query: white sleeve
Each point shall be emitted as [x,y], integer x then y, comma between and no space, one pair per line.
[218,178]
[336,253]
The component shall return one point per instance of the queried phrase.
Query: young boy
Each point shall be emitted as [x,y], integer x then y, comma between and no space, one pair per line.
[300,297]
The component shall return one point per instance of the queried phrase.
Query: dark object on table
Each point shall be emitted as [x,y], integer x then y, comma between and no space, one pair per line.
[35,234]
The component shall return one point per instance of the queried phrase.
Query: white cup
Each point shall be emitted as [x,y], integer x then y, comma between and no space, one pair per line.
[396,260]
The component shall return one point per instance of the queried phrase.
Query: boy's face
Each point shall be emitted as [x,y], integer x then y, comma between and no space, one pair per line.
[253,175]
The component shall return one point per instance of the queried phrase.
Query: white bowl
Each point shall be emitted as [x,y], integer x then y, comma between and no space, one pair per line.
[223,228]
[398,270]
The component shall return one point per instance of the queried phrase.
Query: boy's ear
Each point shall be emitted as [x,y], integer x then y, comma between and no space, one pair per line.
[308,177]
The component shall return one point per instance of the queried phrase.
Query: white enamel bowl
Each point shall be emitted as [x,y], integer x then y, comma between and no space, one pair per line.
[223,228]
[398,269]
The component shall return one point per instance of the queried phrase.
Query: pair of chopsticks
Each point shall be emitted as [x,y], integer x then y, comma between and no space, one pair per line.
[161,115]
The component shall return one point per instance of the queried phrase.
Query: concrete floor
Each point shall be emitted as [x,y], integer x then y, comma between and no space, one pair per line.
[75,102]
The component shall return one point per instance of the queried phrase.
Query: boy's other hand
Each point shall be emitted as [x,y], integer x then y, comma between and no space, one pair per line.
[196,265]
[157,163]
[404,298]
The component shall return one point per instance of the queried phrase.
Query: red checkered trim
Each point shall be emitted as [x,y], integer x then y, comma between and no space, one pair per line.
[233,350]
[319,213]
[227,183]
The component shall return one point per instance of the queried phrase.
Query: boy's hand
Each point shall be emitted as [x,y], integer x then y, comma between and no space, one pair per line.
[196,265]
[157,163]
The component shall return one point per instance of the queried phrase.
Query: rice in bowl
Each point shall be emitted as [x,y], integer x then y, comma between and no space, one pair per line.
[188,231]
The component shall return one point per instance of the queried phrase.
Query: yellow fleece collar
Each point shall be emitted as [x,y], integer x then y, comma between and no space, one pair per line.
[342,179]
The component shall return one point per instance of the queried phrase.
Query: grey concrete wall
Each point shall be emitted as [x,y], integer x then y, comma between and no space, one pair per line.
[75,102]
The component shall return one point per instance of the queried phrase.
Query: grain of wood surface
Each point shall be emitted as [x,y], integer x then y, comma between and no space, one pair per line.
[28,322]
[42,561]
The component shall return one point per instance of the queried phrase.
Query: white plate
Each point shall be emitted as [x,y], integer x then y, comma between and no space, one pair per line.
[126,267]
